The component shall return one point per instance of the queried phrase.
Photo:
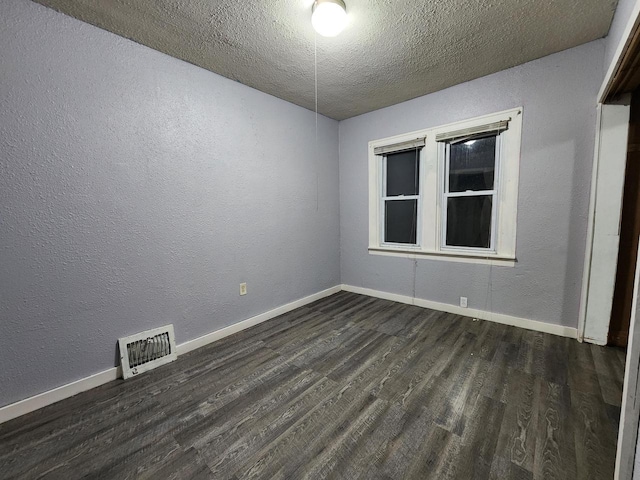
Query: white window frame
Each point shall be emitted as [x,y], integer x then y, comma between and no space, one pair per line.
[445,150]
[384,198]
[431,222]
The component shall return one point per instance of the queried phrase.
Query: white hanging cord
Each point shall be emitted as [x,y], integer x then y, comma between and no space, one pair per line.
[488,299]
[415,273]
[315,74]
[315,70]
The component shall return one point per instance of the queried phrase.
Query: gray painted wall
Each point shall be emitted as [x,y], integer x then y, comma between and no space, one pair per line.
[619,23]
[138,190]
[558,94]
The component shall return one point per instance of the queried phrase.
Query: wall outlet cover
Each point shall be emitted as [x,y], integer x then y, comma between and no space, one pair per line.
[243,289]
[463,302]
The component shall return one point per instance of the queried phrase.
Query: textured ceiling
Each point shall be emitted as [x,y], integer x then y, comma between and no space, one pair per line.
[391,51]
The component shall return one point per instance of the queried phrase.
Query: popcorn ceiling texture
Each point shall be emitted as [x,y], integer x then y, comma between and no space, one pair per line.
[391,52]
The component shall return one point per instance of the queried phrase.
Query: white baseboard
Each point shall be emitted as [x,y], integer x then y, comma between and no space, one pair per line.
[469,312]
[13,410]
[250,322]
[36,402]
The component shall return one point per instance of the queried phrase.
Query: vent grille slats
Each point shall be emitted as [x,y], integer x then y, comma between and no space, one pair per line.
[147,350]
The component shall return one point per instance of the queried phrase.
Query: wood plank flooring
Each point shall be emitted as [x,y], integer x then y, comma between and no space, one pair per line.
[349,387]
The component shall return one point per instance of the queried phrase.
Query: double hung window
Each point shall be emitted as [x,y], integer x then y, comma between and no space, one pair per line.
[401,192]
[448,192]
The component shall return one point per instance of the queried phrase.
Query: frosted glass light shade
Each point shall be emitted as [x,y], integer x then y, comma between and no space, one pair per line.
[329,17]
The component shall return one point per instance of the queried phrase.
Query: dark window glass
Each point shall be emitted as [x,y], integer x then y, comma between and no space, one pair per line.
[469,221]
[472,165]
[400,221]
[402,173]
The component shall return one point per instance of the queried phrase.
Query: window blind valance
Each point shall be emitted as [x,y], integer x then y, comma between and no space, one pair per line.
[400,147]
[468,133]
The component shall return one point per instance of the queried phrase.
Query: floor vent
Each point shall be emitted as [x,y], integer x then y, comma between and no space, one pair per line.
[147,350]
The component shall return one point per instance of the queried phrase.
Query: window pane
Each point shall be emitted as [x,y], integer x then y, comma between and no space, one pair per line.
[402,173]
[472,165]
[400,221]
[469,221]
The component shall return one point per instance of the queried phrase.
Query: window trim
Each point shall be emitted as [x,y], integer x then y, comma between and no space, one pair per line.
[430,223]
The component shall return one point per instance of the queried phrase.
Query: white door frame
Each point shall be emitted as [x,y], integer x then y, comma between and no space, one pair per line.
[603,231]
[630,410]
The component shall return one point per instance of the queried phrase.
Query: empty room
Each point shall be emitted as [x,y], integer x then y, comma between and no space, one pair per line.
[309,239]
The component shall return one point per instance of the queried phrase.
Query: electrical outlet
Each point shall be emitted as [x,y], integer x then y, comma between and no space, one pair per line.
[243,289]
[463,302]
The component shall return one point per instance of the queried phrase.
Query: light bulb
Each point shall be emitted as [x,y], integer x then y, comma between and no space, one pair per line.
[329,17]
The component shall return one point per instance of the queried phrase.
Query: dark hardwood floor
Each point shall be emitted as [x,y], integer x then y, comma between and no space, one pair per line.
[348,387]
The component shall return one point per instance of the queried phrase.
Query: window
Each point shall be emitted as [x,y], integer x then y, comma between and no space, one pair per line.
[448,192]
[469,195]
[401,192]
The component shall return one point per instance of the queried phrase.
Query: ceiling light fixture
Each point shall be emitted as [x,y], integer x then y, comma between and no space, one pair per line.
[329,17]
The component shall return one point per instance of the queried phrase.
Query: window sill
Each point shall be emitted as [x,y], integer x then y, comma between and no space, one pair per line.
[487,259]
